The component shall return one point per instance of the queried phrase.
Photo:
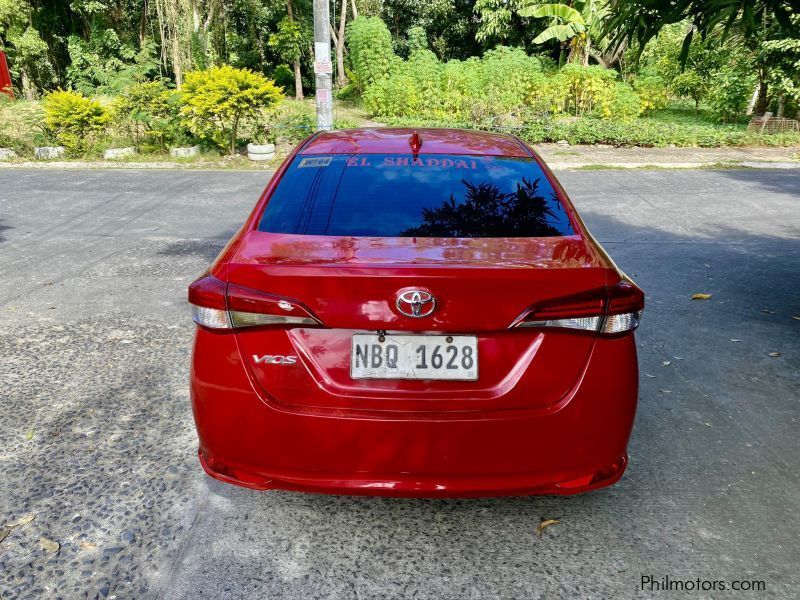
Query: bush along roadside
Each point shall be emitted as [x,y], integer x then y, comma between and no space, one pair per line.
[218,111]
[635,132]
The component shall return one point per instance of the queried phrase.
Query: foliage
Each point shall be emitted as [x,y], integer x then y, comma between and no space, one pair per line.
[20,124]
[283,76]
[73,119]
[784,57]
[641,20]
[652,92]
[641,131]
[30,61]
[370,45]
[104,64]
[689,84]
[291,39]
[149,113]
[578,22]
[215,101]
[594,91]
[499,19]
[732,90]
[567,22]
[493,87]
[292,121]
[487,210]
[501,87]
[417,39]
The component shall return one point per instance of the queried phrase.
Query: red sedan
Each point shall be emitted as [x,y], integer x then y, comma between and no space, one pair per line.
[415,313]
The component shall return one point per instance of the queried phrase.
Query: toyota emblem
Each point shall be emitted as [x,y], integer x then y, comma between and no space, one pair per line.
[416,303]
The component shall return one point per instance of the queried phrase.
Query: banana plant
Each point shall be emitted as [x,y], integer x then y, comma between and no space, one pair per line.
[577,24]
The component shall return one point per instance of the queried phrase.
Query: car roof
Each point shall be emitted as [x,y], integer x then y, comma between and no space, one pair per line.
[386,140]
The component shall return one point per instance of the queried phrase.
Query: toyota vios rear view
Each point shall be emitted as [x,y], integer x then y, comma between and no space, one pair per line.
[414,313]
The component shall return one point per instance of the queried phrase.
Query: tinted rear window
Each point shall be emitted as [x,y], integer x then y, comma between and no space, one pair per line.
[390,195]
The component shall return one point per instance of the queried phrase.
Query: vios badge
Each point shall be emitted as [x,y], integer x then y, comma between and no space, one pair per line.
[274,359]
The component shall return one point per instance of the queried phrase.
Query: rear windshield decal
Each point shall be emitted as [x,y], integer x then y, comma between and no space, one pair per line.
[317,161]
[406,161]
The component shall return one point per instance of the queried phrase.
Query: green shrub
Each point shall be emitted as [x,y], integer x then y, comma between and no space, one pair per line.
[625,103]
[283,76]
[215,101]
[149,113]
[652,92]
[689,84]
[73,119]
[494,88]
[293,120]
[732,89]
[587,90]
[417,39]
[370,45]
[641,131]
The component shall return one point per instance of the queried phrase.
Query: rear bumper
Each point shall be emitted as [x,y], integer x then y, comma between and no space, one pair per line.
[576,445]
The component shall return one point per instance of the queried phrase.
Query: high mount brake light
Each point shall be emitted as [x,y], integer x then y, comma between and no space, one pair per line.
[218,305]
[611,311]
[415,141]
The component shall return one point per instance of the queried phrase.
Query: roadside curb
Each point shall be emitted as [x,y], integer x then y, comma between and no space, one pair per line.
[158,165]
[556,166]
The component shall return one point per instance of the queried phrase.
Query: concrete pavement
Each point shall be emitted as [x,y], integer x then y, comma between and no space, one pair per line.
[97,441]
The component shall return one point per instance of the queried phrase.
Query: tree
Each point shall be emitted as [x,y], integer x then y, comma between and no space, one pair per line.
[217,99]
[579,23]
[337,36]
[694,78]
[290,41]
[756,21]
[783,56]
[486,210]
[28,52]
[499,20]
[567,24]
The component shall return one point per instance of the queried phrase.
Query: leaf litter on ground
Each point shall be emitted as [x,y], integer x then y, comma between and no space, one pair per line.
[544,524]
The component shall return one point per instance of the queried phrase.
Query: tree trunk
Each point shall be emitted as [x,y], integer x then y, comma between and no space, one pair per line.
[601,60]
[761,102]
[353,7]
[781,106]
[234,133]
[298,77]
[752,104]
[28,89]
[143,24]
[298,81]
[341,78]
[177,62]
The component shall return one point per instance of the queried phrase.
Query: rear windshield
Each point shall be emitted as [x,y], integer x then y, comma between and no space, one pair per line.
[433,195]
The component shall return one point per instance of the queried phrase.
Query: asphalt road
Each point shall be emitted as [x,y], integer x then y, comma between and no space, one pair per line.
[97,439]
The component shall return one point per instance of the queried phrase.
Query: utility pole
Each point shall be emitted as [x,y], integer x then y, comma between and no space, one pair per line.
[322,65]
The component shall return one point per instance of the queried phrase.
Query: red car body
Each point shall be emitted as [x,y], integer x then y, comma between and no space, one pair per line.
[551,409]
[5,76]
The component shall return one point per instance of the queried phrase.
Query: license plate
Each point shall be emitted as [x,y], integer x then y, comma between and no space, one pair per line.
[414,357]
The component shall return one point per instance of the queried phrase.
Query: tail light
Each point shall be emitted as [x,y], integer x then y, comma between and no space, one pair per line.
[609,311]
[218,305]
